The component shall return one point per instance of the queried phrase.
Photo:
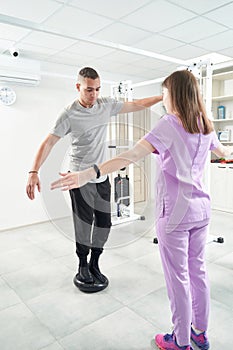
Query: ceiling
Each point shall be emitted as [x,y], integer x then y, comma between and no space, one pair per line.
[124,39]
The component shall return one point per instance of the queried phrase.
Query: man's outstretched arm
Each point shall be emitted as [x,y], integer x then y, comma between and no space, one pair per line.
[140,104]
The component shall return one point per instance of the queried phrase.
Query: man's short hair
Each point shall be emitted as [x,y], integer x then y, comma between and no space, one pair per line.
[88,72]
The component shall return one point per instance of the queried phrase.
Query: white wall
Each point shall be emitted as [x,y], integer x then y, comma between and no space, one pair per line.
[24,125]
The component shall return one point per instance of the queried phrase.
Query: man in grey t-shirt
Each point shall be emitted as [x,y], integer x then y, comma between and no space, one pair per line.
[86,120]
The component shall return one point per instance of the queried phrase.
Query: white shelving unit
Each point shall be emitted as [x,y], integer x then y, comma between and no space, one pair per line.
[222,94]
[221,179]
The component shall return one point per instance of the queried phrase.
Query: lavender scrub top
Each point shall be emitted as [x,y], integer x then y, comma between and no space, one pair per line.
[179,190]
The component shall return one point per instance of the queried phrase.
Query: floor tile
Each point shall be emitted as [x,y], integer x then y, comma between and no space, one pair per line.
[138,248]
[226,261]
[154,307]
[112,258]
[151,261]
[20,258]
[54,346]
[123,330]
[57,247]
[220,338]
[221,283]
[70,261]
[8,296]
[216,251]
[131,281]
[220,315]
[20,329]
[67,310]
[39,279]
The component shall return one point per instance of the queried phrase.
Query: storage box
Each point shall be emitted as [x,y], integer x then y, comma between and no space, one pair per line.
[224,135]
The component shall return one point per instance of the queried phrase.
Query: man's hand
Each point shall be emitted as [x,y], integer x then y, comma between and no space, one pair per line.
[33,182]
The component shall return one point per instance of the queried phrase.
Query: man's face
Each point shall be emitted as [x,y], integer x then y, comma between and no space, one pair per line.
[88,91]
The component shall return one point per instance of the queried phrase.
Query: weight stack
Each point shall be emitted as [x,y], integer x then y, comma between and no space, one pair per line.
[121,189]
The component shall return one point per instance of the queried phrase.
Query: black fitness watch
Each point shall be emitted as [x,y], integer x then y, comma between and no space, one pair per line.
[96,170]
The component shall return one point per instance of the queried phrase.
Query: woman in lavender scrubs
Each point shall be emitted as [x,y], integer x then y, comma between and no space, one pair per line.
[181,141]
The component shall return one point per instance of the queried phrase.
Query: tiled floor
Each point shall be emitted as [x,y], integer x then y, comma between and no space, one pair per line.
[40,308]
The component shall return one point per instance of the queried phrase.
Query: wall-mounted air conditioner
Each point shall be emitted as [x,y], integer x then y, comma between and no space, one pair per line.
[19,71]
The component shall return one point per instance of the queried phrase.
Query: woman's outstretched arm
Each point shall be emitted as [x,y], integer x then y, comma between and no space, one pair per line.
[77,179]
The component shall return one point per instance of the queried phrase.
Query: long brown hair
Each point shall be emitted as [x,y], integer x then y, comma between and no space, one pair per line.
[186,101]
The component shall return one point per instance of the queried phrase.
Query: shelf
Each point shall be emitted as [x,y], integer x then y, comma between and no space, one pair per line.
[223,76]
[222,120]
[223,98]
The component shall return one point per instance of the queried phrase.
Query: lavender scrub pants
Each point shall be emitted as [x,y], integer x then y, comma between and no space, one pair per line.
[182,253]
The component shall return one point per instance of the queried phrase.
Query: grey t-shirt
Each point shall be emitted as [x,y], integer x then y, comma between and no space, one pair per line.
[88,130]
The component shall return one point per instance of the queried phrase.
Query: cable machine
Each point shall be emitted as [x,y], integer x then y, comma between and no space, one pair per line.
[121,138]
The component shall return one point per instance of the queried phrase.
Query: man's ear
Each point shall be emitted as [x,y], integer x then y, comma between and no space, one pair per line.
[78,86]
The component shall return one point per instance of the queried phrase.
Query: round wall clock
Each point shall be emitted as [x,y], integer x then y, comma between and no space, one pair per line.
[7,95]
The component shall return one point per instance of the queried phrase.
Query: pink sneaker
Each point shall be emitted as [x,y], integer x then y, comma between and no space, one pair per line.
[200,340]
[168,342]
